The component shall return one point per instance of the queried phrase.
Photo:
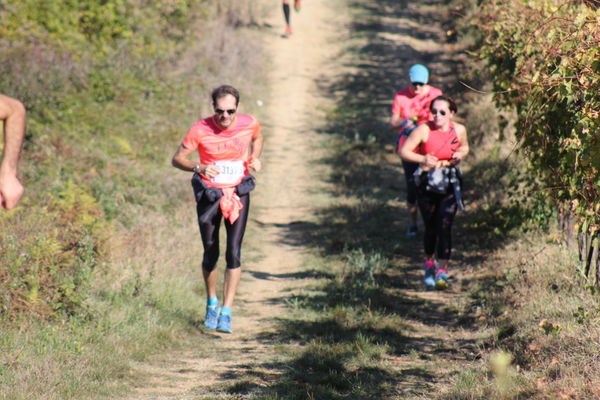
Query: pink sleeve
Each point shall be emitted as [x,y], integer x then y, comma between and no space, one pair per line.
[191,139]
[398,105]
[256,130]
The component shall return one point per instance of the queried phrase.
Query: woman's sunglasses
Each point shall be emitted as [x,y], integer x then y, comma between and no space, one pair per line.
[220,112]
[441,112]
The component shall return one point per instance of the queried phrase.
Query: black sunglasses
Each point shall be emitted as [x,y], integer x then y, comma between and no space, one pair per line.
[434,111]
[219,111]
[417,84]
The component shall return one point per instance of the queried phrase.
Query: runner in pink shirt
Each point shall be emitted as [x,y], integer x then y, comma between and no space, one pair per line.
[410,109]
[442,144]
[229,146]
[287,16]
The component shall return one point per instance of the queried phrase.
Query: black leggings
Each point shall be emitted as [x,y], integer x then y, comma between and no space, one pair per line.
[438,211]
[209,231]
[286,12]
[411,187]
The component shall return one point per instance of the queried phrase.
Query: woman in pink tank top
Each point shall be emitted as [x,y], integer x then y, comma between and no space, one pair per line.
[442,144]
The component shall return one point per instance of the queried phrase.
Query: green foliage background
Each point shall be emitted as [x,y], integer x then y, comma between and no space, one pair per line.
[110,87]
[544,59]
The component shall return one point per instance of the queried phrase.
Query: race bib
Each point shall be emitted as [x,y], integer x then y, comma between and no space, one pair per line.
[231,172]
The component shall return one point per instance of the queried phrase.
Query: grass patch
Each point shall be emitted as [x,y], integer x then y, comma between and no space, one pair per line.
[526,329]
[103,255]
[543,318]
[80,359]
[362,329]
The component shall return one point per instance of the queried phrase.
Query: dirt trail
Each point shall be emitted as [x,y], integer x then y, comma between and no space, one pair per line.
[288,193]
[294,64]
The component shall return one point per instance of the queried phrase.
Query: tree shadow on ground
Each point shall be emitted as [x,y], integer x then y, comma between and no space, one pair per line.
[374,179]
[360,310]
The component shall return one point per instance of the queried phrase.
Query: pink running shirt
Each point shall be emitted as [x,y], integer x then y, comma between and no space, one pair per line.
[442,144]
[216,144]
[408,104]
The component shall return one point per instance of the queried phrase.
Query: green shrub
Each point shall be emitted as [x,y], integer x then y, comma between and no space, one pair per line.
[543,56]
[50,252]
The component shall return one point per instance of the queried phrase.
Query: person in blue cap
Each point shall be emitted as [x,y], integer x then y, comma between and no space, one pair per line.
[410,109]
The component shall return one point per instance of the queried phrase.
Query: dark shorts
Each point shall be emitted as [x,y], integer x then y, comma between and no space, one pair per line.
[411,188]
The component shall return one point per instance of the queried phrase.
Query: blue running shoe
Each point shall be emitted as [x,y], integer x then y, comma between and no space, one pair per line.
[224,324]
[210,321]
[411,232]
[441,280]
[429,278]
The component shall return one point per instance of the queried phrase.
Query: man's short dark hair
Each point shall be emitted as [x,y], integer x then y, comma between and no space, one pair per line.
[223,91]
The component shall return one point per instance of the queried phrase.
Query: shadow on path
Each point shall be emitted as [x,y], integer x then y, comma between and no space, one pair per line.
[370,331]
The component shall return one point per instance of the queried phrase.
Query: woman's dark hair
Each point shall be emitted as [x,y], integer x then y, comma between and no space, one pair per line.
[451,103]
[224,90]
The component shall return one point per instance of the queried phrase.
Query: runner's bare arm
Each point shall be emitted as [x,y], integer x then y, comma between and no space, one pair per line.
[418,136]
[463,149]
[12,112]
[257,147]
[180,160]
[396,120]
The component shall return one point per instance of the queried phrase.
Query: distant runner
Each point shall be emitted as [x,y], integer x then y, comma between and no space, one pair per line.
[287,16]
[12,114]
[229,146]
[443,145]
[411,108]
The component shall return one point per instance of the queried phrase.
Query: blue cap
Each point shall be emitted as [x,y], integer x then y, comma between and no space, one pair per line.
[418,73]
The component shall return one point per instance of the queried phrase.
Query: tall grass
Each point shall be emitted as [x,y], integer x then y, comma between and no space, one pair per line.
[546,322]
[100,264]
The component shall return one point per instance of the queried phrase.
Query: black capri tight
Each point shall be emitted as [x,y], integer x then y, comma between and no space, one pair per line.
[411,187]
[438,211]
[209,231]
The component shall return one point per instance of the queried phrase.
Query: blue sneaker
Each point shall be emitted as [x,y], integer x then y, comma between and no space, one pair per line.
[411,232]
[441,280]
[429,278]
[210,321]
[224,324]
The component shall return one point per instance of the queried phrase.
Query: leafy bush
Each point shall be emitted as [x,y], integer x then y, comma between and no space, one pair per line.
[544,60]
[40,76]
[80,23]
[50,252]
[108,93]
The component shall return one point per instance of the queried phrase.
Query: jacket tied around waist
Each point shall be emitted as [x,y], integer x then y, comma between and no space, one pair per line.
[227,199]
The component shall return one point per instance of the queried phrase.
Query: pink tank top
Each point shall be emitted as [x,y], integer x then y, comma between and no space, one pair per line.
[442,144]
